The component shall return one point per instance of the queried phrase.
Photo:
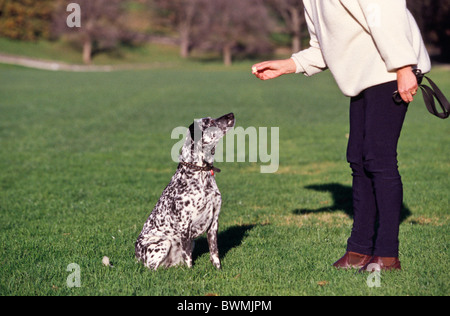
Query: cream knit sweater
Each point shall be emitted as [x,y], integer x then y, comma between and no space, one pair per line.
[362,42]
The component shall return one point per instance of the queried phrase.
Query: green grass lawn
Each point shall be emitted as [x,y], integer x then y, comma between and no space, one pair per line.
[64,51]
[85,156]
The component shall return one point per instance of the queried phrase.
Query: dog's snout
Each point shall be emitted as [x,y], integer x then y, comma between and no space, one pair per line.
[230,116]
[227,119]
[231,119]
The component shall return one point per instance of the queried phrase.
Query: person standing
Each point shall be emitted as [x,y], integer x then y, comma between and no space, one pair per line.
[371,48]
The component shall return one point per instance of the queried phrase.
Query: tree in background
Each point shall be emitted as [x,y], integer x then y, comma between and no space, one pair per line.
[230,27]
[433,17]
[25,19]
[293,15]
[225,26]
[184,16]
[101,29]
[236,26]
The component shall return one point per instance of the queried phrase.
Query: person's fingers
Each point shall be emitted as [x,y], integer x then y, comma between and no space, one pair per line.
[407,84]
[262,75]
[263,70]
[273,69]
[255,68]
[268,74]
[263,66]
[407,96]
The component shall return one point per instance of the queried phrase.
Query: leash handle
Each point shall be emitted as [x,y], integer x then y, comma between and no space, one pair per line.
[429,95]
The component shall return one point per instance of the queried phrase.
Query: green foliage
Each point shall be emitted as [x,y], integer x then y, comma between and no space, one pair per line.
[85,156]
[25,19]
[201,25]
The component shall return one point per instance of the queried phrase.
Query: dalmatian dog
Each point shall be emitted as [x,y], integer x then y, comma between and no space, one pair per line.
[190,204]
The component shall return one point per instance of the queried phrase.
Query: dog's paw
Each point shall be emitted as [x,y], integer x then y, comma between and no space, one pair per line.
[216,262]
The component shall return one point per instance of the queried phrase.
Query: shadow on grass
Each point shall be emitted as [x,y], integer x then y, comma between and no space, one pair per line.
[227,240]
[342,201]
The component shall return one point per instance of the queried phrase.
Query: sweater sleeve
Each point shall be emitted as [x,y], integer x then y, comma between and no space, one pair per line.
[310,61]
[390,29]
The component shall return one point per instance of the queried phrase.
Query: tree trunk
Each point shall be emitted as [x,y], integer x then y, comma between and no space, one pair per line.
[296,29]
[184,42]
[227,57]
[87,51]
[296,43]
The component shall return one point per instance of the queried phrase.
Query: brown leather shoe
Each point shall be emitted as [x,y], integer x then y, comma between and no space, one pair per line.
[352,260]
[382,264]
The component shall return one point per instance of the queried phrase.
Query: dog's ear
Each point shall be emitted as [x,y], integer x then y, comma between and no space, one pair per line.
[192,133]
[192,130]
[196,131]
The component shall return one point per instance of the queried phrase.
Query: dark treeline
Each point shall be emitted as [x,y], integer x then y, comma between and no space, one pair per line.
[233,28]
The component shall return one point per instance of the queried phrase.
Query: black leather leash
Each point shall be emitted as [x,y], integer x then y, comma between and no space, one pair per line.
[429,94]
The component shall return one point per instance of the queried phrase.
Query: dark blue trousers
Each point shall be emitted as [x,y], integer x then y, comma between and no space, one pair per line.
[375,125]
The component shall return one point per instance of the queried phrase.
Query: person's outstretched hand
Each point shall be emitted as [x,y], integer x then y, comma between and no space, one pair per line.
[274,68]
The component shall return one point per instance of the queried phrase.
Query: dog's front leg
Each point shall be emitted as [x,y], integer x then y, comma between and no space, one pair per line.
[212,243]
[187,247]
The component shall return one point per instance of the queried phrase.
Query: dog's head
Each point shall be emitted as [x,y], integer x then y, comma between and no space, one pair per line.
[203,136]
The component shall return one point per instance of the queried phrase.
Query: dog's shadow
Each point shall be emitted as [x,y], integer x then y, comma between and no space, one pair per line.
[226,240]
[342,201]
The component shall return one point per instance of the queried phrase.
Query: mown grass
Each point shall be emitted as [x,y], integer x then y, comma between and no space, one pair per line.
[68,52]
[85,156]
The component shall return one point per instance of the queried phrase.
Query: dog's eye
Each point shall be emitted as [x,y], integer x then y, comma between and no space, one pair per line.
[207,122]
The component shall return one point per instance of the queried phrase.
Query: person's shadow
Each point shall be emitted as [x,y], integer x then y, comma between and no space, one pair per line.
[342,201]
[226,240]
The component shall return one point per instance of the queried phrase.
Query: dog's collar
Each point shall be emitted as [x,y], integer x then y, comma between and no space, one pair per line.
[209,167]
